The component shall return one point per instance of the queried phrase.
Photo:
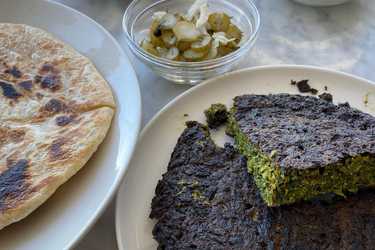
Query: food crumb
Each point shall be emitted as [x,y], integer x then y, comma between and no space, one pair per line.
[325,88]
[216,115]
[304,87]
[186,115]
[326,96]
[365,99]
[314,91]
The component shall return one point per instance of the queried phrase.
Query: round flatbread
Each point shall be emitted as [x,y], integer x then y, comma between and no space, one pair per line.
[55,111]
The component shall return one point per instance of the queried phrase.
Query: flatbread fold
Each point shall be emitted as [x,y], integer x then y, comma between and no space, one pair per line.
[56,109]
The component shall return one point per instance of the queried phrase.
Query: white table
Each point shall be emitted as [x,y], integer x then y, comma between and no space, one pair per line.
[341,38]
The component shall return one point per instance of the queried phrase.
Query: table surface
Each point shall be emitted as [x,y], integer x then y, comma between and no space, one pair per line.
[340,38]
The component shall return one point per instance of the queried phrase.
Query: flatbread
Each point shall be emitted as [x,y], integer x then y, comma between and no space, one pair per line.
[42,68]
[56,109]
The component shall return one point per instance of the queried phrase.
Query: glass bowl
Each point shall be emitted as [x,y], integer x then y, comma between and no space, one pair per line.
[137,20]
[321,2]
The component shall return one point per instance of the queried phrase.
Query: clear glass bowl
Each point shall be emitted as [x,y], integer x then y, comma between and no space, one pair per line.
[321,2]
[137,20]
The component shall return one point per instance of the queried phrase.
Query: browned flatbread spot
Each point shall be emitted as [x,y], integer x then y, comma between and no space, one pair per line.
[9,91]
[14,71]
[13,184]
[11,135]
[49,77]
[54,106]
[64,120]
[26,85]
[57,151]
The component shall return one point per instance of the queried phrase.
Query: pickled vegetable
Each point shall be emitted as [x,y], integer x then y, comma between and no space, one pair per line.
[186,31]
[170,54]
[155,34]
[225,50]
[168,21]
[234,32]
[168,38]
[213,52]
[183,46]
[196,36]
[191,55]
[219,22]
[202,45]
[147,46]
[173,53]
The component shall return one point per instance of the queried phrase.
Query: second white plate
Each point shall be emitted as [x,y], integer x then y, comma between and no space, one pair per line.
[133,227]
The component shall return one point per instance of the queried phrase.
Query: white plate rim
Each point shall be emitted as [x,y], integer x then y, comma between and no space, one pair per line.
[115,186]
[111,193]
[212,81]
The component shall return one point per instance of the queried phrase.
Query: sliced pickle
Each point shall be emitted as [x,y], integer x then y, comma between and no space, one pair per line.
[173,53]
[202,45]
[183,46]
[162,51]
[168,38]
[179,17]
[233,44]
[170,54]
[168,21]
[185,31]
[213,52]
[219,22]
[156,41]
[180,58]
[155,34]
[225,50]
[222,38]
[234,32]
[148,47]
[191,55]
[154,26]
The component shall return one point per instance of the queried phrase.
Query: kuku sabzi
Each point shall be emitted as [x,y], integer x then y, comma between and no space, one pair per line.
[300,147]
[216,115]
[208,200]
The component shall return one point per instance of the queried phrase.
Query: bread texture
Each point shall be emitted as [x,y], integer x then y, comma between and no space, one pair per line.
[56,109]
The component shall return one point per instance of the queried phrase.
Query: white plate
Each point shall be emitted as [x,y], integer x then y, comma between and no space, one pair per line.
[60,222]
[133,228]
